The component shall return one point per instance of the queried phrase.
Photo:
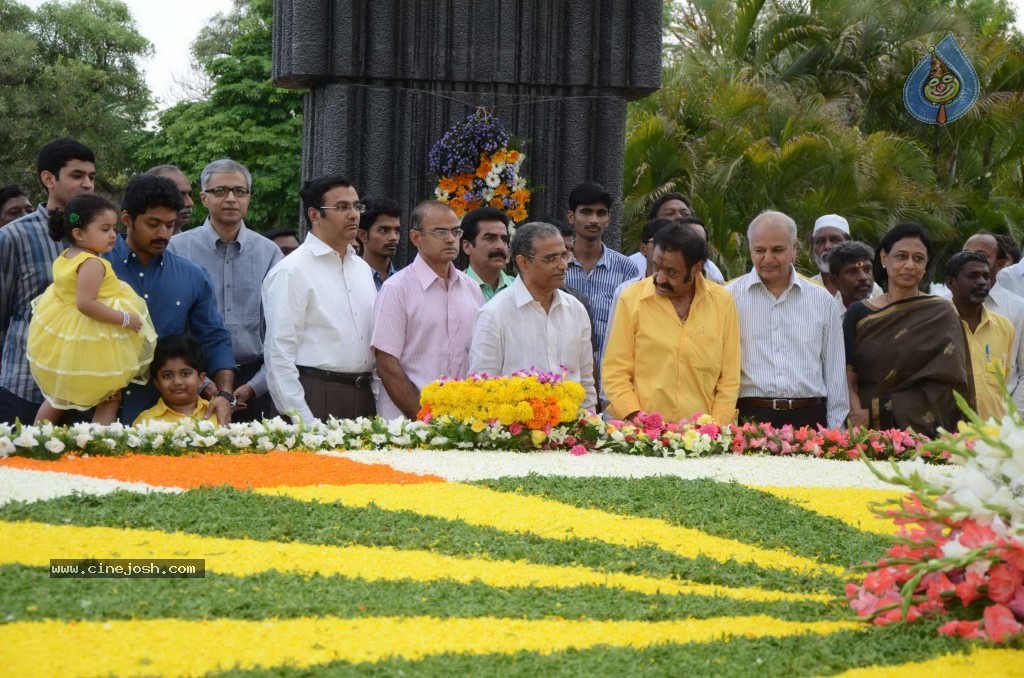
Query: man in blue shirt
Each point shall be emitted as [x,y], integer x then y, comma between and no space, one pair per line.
[65,168]
[179,294]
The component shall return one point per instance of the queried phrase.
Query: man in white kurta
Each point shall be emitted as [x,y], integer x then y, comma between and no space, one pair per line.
[535,324]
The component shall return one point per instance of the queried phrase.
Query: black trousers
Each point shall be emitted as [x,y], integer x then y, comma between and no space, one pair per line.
[258,408]
[344,401]
[12,407]
[808,416]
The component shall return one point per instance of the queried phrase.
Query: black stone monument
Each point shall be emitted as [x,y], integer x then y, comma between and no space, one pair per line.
[387,78]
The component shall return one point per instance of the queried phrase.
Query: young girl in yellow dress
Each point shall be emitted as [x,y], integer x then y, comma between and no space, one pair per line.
[90,333]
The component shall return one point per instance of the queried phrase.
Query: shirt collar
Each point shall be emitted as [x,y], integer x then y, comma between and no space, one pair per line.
[123,253]
[602,261]
[504,279]
[161,408]
[425,275]
[318,248]
[700,288]
[794,280]
[209,233]
[522,295]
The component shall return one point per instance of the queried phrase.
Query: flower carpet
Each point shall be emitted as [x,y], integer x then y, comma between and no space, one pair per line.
[445,562]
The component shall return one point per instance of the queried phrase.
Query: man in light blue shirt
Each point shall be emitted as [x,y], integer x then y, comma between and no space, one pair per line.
[237,260]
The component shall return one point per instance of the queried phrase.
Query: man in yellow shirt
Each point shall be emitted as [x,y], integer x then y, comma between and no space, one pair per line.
[674,346]
[178,368]
[989,335]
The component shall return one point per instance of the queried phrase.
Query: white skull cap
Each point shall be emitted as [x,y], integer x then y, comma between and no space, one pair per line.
[832,221]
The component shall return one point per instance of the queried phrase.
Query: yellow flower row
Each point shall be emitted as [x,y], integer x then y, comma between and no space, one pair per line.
[1001,663]
[173,647]
[850,505]
[33,544]
[551,519]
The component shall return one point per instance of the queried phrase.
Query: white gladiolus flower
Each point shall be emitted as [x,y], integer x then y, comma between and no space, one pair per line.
[82,439]
[6,447]
[241,442]
[54,445]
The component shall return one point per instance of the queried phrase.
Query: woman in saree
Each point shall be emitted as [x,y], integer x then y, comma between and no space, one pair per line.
[906,352]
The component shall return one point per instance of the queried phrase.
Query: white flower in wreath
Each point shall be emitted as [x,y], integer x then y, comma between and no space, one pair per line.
[82,439]
[54,445]
[241,442]
[6,447]
[493,180]
[26,439]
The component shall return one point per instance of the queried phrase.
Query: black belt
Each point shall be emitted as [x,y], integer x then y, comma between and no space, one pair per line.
[781,403]
[250,364]
[357,379]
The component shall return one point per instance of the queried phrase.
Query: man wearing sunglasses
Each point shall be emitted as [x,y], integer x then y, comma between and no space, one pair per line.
[237,259]
[423,319]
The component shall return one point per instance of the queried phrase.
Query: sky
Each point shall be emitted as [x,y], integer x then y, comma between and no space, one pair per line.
[172,25]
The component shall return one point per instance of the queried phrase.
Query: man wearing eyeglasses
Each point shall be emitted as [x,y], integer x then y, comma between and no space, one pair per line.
[535,323]
[237,259]
[423,319]
[319,305]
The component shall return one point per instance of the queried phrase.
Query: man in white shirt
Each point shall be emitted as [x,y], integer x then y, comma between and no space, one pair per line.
[1005,303]
[535,324]
[793,364]
[319,308]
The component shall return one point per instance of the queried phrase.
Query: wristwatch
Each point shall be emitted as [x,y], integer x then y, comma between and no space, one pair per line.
[232,400]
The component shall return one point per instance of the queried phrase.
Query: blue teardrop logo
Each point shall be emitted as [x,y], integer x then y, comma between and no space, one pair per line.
[943,86]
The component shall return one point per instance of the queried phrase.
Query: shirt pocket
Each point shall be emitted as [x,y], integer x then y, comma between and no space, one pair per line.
[704,349]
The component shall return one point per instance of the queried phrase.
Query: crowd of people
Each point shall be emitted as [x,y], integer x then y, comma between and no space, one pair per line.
[127,312]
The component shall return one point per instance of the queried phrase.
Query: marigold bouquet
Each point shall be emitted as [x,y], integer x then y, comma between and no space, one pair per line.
[477,164]
[960,551]
[536,400]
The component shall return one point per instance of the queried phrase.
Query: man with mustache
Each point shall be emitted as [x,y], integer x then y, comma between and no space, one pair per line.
[237,259]
[423,318]
[65,168]
[536,324]
[850,273]
[485,241]
[1003,302]
[380,230]
[181,181]
[14,204]
[989,335]
[674,345]
[793,355]
[829,232]
[180,294]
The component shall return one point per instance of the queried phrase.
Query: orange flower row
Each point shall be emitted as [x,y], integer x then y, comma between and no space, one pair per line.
[274,469]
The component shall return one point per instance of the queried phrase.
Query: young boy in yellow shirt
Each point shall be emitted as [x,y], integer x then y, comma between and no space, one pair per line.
[178,368]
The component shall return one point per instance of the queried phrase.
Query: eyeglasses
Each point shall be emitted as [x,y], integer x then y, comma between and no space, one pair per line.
[552,259]
[442,233]
[345,207]
[221,191]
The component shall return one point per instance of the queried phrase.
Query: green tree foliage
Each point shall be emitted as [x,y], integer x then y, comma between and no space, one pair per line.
[71,69]
[243,116]
[799,107]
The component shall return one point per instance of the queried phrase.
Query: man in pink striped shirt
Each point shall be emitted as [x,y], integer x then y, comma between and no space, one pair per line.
[423,318]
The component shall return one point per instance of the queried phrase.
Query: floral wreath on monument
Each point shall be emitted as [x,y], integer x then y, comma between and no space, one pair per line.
[478,164]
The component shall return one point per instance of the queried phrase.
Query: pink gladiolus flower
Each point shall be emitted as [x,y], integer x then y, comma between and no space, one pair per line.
[1000,623]
[975,535]
[1003,582]
[967,590]
[961,629]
